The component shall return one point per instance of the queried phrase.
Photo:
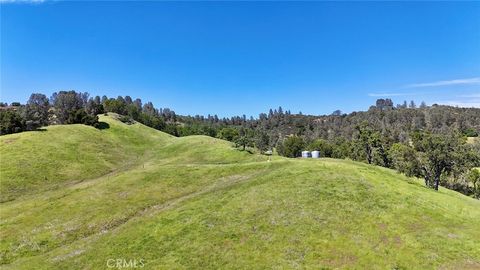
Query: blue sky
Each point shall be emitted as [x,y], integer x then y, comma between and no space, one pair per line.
[231,58]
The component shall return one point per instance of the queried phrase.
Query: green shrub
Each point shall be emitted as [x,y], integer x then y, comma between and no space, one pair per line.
[126,119]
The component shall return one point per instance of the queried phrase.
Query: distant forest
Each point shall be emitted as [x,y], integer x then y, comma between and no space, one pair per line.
[434,142]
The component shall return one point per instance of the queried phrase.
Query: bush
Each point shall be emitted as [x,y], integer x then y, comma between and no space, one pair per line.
[153,121]
[291,147]
[11,122]
[126,119]
[474,178]
[404,159]
[80,116]
[325,148]
[470,132]
[228,133]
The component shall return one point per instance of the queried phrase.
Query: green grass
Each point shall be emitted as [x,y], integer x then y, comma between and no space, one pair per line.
[61,155]
[130,192]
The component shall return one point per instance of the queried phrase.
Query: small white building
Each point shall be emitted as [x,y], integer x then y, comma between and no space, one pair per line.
[306,154]
[315,154]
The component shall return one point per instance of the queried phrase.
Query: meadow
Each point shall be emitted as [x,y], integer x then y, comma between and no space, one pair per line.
[75,197]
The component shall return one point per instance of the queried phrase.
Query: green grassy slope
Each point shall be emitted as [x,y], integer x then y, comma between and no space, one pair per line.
[194,202]
[35,161]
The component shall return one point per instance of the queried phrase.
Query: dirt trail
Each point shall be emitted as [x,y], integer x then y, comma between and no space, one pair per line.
[150,211]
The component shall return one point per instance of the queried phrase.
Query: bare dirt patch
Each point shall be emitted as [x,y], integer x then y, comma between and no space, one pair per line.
[9,140]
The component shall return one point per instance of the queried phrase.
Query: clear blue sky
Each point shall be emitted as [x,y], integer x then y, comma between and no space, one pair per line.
[230,58]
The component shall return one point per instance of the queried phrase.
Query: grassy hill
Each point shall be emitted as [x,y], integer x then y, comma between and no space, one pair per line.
[74,197]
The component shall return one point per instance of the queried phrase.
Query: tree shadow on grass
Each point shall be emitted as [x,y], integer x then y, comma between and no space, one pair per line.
[102,125]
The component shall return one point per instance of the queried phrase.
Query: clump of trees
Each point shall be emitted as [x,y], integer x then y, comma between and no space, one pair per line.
[440,159]
[244,139]
[37,111]
[71,107]
[64,107]
[404,159]
[291,146]
[11,121]
[434,156]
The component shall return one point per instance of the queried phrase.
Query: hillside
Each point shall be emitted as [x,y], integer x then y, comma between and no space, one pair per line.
[74,197]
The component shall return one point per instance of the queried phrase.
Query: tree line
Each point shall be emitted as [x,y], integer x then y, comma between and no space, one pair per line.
[423,141]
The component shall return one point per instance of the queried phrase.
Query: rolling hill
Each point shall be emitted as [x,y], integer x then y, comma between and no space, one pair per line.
[76,197]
